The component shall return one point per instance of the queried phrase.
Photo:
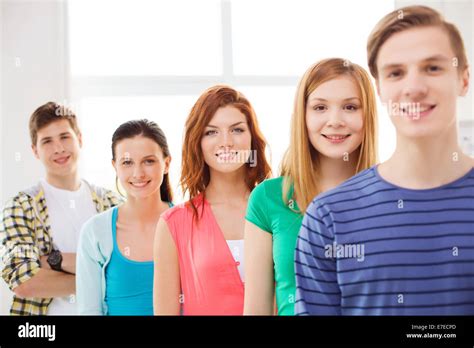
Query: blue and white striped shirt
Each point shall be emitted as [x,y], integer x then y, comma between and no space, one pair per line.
[369,247]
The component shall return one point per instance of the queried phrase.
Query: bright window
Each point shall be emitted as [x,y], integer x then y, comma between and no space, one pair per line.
[152,59]
[145,37]
[284,37]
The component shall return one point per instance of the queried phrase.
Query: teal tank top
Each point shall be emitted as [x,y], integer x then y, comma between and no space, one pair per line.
[129,284]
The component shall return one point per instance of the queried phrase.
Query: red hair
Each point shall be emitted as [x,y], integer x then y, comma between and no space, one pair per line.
[195,175]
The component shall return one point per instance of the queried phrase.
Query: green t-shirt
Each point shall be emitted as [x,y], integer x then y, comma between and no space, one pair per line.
[267,211]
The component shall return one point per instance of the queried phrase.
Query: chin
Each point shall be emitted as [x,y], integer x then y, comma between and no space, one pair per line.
[335,154]
[63,171]
[142,191]
[227,168]
[422,131]
[138,195]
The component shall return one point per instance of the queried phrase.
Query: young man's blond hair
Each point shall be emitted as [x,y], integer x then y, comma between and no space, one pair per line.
[408,18]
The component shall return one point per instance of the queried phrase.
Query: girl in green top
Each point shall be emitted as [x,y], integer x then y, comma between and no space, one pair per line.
[333,132]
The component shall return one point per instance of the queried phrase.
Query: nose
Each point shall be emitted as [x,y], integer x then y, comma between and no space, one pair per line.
[138,171]
[335,119]
[226,140]
[414,87]
[58,147]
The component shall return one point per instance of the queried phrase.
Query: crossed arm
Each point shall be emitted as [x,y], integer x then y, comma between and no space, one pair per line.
[25,271]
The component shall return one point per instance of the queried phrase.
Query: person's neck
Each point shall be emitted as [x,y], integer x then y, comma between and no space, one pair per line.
[70,182]
[335,171]
[147,209]
[426,163]
[227,187]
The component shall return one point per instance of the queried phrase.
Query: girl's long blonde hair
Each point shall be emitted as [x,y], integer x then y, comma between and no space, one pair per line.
[300,164]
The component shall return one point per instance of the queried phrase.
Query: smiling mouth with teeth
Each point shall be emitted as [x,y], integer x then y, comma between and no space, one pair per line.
[62,160]
[417,110]
[336,137]
[226,157]
[230,153]
[140,184]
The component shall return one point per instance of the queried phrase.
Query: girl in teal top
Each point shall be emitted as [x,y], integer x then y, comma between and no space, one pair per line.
[332,138]
[267,211]
[115,255]
[129,288]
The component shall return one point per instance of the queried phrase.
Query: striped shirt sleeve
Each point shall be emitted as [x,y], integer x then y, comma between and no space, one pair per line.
[317,290]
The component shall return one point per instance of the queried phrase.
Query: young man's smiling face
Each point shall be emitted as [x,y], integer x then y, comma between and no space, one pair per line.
[58,147]
[419,81]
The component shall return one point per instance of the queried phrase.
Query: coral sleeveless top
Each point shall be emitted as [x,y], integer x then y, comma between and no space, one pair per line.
[210,280]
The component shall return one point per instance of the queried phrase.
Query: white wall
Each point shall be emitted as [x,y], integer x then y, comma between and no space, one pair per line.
[1,104]
[32,73]
[33,67]
[5,298]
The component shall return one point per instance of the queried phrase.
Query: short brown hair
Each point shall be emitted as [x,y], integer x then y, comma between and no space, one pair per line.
[47,114]
[407,18]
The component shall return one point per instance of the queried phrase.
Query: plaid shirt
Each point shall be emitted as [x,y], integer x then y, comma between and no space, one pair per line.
[25,236]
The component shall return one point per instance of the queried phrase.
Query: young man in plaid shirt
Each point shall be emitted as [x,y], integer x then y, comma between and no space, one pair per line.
[40,226]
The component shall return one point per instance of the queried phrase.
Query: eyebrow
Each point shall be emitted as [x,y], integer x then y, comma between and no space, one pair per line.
[49,138]
[232,125]
[435,58]
[345,99]
[144,157]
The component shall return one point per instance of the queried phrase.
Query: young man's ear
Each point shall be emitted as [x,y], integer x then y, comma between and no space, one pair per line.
[79,138]
[35,150]
[464,82]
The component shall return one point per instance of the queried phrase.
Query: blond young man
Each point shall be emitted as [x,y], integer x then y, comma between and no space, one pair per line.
[398,238]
